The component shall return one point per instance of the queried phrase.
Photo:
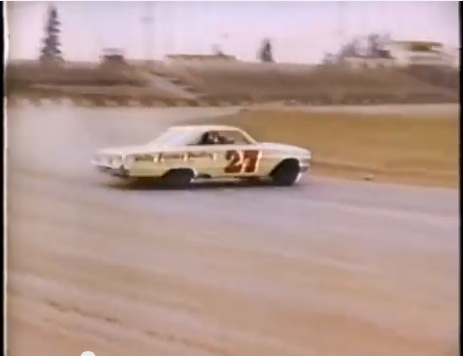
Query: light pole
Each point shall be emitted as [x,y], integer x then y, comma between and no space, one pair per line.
[148,21]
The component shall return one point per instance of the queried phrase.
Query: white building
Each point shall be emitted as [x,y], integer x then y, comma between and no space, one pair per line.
[406,53]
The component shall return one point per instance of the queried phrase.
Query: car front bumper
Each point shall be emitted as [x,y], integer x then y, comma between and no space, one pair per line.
[304,165]
[119,172]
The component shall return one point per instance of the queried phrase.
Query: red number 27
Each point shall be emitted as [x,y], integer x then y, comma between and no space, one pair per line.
[246,161]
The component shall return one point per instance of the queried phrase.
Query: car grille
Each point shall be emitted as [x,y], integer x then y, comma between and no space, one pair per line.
[106,159]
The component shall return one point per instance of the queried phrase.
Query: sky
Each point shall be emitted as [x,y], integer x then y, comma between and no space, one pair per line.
[301,32]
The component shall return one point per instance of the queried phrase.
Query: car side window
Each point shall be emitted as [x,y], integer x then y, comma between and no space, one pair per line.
[233,138]
[203,140]
[209,138]
[221,138]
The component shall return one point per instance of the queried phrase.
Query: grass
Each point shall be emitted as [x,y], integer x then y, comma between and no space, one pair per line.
[393,148]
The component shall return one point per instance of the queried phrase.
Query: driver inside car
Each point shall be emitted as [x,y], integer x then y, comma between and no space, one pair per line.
[211,138]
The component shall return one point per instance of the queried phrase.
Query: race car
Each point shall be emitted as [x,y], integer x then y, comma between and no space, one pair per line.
[184,154]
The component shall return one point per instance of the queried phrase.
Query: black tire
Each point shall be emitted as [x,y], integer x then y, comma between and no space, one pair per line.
[287,173]
[178,178]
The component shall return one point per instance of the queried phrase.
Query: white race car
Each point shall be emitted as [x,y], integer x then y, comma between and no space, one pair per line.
[183,154]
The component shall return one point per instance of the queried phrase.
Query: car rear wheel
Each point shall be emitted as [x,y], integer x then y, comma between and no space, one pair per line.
[179,178]
[286,173]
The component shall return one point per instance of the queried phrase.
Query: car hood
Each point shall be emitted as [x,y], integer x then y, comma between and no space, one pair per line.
[284,147]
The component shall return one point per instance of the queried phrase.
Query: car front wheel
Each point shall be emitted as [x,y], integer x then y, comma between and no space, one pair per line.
[287,173]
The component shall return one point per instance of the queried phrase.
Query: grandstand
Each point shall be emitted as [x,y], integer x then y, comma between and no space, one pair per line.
[269,81]
[372,69]
[236,81]
[84,78]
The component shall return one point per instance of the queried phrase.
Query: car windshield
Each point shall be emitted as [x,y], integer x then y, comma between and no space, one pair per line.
[170,137]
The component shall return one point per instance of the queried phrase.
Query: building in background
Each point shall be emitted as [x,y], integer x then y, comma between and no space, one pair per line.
[113,57]
[411,53]
[376,51]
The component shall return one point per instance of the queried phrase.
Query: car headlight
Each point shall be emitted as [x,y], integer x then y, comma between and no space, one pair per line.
[129,160]
[116,160]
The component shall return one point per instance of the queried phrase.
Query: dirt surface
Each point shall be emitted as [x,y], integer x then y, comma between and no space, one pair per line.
[325,268]
[413,148]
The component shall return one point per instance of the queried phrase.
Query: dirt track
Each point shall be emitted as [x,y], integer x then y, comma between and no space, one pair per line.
[327,268]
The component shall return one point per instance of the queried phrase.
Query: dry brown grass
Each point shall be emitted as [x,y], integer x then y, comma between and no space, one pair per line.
[416,150]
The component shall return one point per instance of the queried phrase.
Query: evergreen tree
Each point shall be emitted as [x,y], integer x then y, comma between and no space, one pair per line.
[50,52]
[217,50]
[266,51]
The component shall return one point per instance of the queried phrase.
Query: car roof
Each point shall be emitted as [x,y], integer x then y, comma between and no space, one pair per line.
[204,128]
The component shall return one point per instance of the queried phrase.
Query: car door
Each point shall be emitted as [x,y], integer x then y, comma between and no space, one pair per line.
[204,159]
[225,160]
[231,159]
[241,160]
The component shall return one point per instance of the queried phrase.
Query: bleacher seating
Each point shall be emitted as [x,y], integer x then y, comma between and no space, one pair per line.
[33,74]
[256,81]
[236,81]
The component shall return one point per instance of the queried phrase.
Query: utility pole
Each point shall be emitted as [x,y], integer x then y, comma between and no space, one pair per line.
[148,21]
[341,27]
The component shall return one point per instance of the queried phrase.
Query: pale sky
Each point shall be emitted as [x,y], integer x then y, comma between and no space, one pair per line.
[301,32]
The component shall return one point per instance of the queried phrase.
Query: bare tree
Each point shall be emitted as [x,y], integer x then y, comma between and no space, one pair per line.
[348,50]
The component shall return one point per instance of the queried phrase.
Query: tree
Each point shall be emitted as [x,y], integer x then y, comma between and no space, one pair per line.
[217,51]
[329,58]
[51,52]
[373,44]
[377,44]
[350,49]
[266,51]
